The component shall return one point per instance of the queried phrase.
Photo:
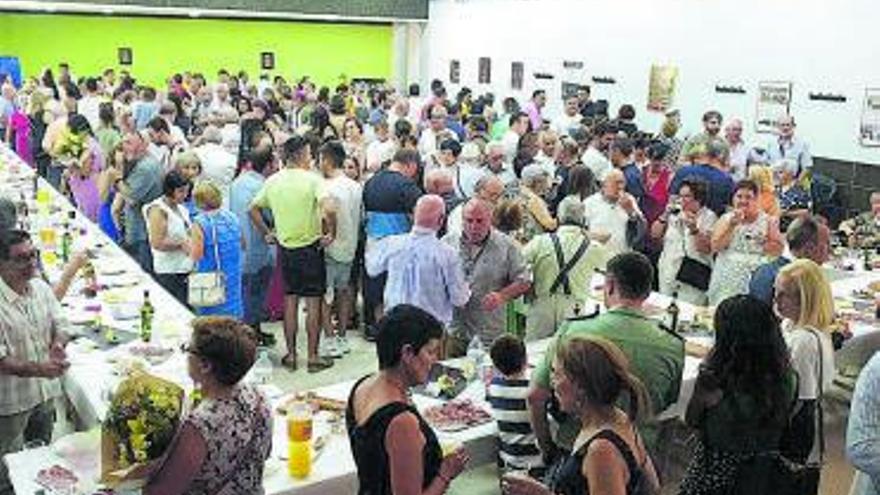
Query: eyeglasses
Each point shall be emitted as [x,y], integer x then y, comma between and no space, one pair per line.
[24,259]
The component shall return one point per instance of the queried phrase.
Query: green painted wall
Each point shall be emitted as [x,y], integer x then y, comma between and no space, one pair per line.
[162,46]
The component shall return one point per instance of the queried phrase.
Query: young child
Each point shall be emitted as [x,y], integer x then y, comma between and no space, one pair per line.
[518,449]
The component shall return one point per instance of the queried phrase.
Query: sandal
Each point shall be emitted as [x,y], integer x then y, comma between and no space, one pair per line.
[289,361]
[319,364]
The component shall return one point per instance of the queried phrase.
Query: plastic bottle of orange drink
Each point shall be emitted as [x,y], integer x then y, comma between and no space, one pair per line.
[299,436]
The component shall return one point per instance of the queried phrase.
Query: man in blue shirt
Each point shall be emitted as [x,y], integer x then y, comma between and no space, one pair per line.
[389,198]
[710,171]
[142,186]
[789,151]
[808,238]
[422,270]
[259,256]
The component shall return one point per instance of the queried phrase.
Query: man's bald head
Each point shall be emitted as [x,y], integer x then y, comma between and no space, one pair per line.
[439,181]
[429,212]
[477,220]
[613,184]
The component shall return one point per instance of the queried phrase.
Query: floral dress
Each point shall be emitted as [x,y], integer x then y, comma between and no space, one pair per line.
[237,431]
[734,266]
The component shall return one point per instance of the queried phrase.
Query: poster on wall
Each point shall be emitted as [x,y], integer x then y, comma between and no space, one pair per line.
[125,56]
[661,87]
[454,71]
[517,72]
[774,101]
[485,70]
[267,60]
[869,127]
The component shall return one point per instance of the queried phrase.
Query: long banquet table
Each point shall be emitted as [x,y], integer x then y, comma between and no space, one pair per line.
[94,373]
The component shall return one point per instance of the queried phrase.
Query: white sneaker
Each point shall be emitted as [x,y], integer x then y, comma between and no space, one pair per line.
[342,344]
[328,348]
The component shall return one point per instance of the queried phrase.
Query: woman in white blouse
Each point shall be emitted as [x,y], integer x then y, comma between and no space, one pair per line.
[803,298]
[686,230]
[168,230]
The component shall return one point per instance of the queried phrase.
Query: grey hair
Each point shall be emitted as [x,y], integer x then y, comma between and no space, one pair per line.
[8,214]
[571,211]
[212,134]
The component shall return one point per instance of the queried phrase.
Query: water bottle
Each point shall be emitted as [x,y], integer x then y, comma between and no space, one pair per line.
[263,368]
[476,353]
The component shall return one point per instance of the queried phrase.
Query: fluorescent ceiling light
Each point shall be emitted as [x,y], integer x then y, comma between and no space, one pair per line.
[93,8]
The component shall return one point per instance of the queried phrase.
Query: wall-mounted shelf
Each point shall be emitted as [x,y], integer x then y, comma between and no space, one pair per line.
[604,80]
[828,97]
[543,75]
[736,90]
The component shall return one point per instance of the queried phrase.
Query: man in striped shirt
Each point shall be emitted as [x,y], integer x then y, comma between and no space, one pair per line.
[518,448]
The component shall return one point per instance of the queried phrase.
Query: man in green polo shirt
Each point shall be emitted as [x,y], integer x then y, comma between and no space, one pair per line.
[656,356]
[305,222]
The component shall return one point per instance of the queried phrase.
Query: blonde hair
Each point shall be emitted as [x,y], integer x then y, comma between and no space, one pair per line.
[763,176]
[207,195]
[816,301]
[188,157]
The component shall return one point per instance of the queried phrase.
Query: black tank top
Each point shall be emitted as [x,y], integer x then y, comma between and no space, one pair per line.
[368,446]
[568,479]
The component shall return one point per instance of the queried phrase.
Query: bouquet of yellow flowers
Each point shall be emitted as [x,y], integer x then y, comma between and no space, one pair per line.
[139,428]
[70,146]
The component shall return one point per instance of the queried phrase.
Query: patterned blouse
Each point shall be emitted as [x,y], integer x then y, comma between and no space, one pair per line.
[237,431]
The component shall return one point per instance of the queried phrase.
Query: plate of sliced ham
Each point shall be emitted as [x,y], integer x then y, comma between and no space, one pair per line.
[456,415]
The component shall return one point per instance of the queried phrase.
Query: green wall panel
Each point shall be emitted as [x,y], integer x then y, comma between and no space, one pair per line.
[162,46]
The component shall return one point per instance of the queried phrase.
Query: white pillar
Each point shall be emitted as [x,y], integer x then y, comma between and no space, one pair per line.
[410,63]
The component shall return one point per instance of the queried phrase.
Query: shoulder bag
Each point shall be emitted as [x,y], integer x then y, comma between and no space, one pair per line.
[208,288]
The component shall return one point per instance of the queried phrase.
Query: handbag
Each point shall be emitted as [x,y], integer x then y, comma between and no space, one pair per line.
[693,272]
[208,288]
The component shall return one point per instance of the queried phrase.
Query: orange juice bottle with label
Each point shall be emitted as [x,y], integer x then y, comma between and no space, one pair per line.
[299,436]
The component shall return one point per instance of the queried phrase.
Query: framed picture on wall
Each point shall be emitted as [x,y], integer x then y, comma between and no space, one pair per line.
[774,101]
[517,71]
[267,60]
[125,56]
[454,71]
[484,70]
[661,87]
[869,127]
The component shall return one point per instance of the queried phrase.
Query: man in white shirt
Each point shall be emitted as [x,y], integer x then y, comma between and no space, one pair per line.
[339,255]
[789,152]
[610,212]
[379,148]
[32,341]
[741,155]
[570,118]
[496,166]
[548,142]
[218,164]
[163,146]
[220,105]
[430,140]
[519,125]
[169,112]
[594,158]
[89,105]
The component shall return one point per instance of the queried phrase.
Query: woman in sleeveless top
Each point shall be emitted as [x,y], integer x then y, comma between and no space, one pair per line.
[216,231]
[168,227]
[590,376]
[395,450]
[223,443]
[742,239]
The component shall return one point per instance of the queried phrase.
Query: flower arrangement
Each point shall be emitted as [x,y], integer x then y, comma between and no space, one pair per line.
[139,427]
[70,146]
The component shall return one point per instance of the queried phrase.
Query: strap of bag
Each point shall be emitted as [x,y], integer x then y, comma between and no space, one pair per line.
[635,469]
[565,268]
[820,416]
[216,246]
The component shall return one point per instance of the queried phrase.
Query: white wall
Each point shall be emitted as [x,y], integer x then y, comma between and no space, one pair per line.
[820,45]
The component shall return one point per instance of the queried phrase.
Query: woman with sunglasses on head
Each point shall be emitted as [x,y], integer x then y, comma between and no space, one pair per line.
[223,443]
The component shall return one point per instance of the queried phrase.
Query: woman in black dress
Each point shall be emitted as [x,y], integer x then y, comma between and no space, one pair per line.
[395,450]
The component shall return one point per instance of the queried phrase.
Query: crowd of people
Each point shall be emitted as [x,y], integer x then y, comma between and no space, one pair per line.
[422,220]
